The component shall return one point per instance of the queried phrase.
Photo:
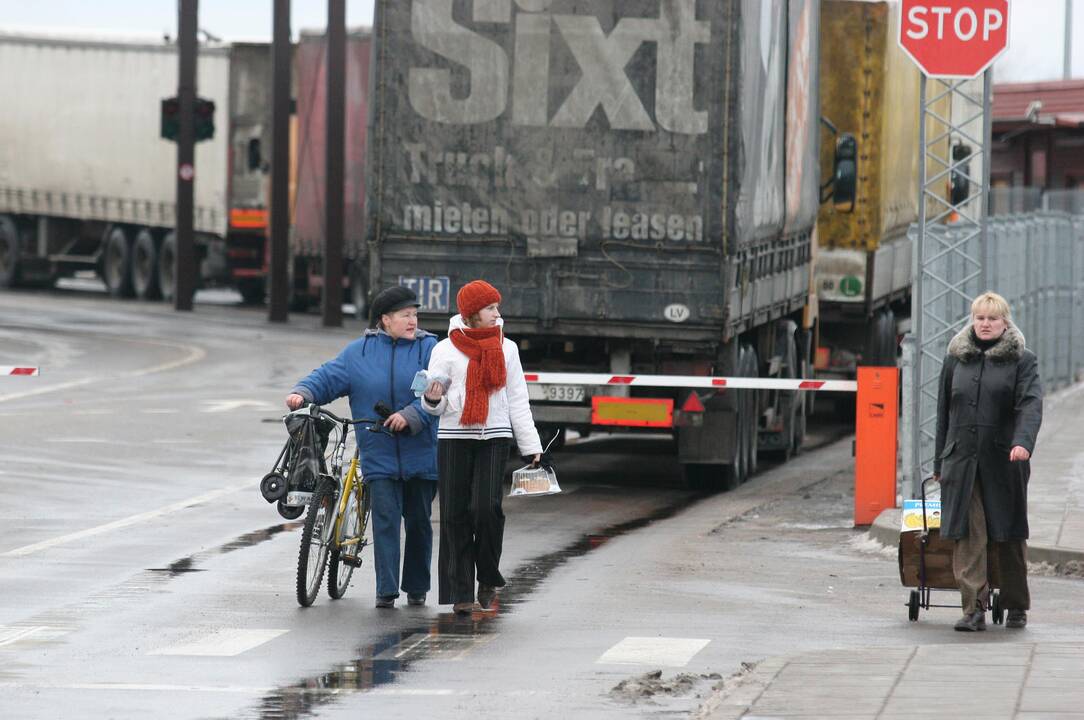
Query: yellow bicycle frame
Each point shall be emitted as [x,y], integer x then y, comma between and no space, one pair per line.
[349,482]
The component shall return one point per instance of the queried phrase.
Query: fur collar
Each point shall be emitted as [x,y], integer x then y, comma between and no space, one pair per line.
[1009,347]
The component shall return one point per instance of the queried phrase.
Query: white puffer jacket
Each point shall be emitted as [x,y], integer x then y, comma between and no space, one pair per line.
[509,407]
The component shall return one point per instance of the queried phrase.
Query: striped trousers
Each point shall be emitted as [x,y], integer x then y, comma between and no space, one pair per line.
[471,487]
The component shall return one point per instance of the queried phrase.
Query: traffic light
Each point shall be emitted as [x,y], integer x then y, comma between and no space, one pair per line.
[171,119]
[959,185]
[204,119]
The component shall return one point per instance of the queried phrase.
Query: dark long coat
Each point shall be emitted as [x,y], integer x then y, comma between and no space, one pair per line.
[987,403]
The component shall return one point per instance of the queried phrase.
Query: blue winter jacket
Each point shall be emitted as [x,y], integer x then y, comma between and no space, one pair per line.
[375,368]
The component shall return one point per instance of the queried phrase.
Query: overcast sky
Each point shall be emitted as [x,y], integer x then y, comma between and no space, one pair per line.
[1035,47]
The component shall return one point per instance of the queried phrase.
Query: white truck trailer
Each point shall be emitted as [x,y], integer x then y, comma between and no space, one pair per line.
[87,183]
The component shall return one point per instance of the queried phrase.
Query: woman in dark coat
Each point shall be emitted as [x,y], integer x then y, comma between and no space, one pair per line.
[989,409]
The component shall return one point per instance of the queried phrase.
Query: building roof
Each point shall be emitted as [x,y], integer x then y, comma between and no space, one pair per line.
[1058,103]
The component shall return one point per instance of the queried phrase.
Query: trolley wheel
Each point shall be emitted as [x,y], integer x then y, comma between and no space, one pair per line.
[997,612]
[912,606]
[290,512]
[273,487]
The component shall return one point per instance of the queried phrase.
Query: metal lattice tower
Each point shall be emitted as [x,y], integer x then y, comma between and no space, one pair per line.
[954,136]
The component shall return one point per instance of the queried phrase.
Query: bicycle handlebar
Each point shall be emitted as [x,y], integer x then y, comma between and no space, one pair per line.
[375,425]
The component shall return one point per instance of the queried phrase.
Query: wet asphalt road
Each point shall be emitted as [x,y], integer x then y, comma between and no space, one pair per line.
[142,575]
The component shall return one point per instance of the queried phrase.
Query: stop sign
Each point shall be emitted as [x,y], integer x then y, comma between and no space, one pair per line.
[954,38]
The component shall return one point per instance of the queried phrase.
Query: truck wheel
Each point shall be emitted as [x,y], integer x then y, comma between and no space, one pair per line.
[787,401]
[889,352]
[749,415]
[9,252]
[253,291]
[706,477]
[358,296]
[117,262]
[167,259]
[145,265]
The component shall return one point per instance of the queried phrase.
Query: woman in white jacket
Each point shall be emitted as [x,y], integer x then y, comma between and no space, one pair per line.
[482,410]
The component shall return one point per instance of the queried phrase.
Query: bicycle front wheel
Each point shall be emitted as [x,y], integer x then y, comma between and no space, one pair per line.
[355,522]
[315,540]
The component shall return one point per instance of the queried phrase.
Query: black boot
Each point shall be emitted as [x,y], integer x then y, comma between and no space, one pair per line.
[1017,619]
[972,622]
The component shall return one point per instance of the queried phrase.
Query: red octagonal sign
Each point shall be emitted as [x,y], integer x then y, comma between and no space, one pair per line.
[954,38]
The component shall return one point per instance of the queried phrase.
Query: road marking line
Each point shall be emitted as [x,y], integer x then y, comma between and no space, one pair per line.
[218,406]
[9,636]
[160,411]
[432,646]
[671,652]
[256,689]
[79,440]
[195,354]
[126,522]
[227,642]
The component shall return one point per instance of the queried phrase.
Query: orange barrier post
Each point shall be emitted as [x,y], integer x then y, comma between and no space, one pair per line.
[876,441]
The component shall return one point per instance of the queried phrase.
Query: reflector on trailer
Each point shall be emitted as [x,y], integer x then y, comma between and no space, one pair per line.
[632,412]
[693,404]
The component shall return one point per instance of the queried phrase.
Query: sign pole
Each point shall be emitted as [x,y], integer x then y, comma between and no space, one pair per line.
[951,50]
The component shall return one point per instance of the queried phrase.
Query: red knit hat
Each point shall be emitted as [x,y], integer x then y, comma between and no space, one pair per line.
[474,296]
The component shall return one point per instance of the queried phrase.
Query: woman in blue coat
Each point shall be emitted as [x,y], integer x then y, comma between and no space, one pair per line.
[401,470]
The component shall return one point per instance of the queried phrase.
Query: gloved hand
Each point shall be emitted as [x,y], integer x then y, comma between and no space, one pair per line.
[545,461]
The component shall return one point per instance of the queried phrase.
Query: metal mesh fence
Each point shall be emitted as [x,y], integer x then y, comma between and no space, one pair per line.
[1036,261]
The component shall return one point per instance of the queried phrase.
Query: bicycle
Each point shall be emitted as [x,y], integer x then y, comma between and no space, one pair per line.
[333,535]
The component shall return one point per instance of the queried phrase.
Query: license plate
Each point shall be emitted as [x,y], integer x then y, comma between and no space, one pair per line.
[298,499]
[434,292]
[556,393]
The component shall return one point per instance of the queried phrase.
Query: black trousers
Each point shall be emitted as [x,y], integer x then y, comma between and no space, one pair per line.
[471,487]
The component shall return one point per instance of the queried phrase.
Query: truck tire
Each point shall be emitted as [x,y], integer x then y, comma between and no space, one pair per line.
[881,340]
[889,345]
[749,416]
[9,252]
[167,260]
[786,401]
[253,290]
[358,296]
[711,478]
[145,265]
[116,267]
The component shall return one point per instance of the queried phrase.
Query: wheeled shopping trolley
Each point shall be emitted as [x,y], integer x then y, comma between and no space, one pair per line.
[925,559]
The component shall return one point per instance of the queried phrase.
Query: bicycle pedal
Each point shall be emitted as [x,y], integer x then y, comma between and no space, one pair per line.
[351,560]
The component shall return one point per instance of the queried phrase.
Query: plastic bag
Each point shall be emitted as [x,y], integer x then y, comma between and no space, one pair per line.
[534,480]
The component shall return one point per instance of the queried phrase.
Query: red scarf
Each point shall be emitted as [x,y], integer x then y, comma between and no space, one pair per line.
[485,369]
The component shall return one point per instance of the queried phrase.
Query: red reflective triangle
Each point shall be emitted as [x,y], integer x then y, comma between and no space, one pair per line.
[692,404]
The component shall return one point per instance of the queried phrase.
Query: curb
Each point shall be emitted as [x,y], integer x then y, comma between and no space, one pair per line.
[886,530]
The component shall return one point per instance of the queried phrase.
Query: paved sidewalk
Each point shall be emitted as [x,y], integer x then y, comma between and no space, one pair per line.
[1017,680]
[1056,490]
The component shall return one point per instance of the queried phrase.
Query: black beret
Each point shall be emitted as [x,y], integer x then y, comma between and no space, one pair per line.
[387,301]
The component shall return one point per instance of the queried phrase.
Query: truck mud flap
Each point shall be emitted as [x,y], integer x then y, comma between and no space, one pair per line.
[713,441]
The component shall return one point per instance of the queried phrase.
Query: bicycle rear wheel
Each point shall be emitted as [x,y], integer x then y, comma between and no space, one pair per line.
[315,539]
[340,569]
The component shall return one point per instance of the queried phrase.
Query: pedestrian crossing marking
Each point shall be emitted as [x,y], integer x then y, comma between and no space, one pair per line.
[12,635]
[666,651]
[226,642]
[433,646]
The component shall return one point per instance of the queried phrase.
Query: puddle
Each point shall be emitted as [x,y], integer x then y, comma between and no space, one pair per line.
[447,636]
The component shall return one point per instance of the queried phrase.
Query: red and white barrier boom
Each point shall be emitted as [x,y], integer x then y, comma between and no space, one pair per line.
[689,381]
[876,412]
[17,370]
